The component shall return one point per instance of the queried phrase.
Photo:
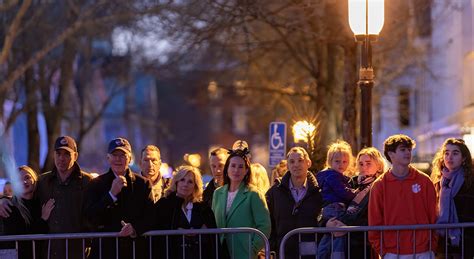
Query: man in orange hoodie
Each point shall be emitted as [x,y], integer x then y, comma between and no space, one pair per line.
[402,196]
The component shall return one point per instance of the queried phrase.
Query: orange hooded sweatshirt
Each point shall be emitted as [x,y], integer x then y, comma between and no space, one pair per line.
[410,201]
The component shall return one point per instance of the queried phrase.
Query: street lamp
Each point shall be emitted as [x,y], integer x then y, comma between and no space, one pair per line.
[304,131]
[366,18]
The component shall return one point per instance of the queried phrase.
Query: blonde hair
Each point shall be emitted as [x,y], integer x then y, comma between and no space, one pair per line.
[279,171]
[340,146]
[18,202]
[259,178]
[375,155]
[180,173]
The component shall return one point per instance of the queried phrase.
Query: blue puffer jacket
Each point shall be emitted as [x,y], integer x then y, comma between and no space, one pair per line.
[335,187]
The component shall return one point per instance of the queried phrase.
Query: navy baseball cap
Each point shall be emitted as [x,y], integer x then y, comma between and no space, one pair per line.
[66,143]
[120,143]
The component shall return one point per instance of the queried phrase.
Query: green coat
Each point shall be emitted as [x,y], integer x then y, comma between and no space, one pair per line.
[249,209]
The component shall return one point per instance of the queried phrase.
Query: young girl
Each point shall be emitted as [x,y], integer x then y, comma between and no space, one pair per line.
[336,192]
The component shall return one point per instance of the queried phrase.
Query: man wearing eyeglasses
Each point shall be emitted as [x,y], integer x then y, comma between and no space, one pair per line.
[119,201]
[294,203]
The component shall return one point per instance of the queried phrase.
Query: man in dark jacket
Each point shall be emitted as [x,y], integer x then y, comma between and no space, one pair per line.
[65,185]
[119,201]
[217,161]
[294,203]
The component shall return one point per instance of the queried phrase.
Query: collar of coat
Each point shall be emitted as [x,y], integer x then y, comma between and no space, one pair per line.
[241,195]
[75,173]
[312,183]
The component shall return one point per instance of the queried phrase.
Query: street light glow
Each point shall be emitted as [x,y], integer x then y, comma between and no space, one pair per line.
[303,130]
[358,17]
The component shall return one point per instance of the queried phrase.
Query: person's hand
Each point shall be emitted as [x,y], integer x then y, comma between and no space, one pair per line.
[5,209]
[333,222]
[117,185]
[46,209]
[127,230]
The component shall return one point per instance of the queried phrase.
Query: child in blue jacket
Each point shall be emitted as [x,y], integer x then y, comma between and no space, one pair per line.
[336,193]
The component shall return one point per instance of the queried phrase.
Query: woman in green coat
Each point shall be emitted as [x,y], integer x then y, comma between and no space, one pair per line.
[237,204]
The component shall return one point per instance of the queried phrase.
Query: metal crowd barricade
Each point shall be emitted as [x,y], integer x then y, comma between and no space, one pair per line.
[365,229]
[210,231]
[150,235]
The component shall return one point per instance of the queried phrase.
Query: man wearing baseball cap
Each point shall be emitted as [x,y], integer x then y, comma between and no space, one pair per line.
[119,201]
[61,188]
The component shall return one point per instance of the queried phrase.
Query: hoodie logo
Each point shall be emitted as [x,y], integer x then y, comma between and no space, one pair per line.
[416,188]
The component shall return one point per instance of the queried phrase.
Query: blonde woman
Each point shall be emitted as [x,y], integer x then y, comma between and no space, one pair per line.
[182,208]
[27,217]
[259,178]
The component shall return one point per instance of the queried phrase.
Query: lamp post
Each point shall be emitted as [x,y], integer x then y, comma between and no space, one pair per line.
[366,18]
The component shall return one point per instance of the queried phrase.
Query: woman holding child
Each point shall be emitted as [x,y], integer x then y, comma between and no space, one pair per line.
[370,165]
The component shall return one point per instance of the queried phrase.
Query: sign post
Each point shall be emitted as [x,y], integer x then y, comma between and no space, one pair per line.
[277,139]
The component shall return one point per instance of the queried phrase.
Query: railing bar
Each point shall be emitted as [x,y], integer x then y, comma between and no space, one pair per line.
[34,248]
[133,248]
[316,242]
[167,253]
[49,248]
[299,242]
[398,242]
[430,240]
[446,243]
[250,246]
[217,246]
[462,242]
[100,248]
[381,242]
[116,248]
[200,244]
[232,245]
[83,248]
[183,246]
[150,246]
[414,242]
[349,245]
[365,244]
[67,248]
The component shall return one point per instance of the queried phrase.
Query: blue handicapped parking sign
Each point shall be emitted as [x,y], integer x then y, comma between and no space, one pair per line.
[277,142]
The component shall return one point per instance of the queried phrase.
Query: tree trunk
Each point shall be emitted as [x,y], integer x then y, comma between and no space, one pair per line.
[54,115]
[32,122]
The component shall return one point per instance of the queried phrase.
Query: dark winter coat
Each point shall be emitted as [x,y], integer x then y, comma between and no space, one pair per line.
[16,225]
[169,215]
[134,205]
[68,213]
[287,215]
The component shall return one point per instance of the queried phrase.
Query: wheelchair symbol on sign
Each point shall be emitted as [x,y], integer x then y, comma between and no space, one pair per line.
[276,141]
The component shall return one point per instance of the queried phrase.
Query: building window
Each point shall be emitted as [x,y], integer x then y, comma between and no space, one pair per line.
[404,108]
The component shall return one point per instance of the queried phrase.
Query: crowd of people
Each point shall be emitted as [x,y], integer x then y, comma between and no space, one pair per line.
[350,191]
